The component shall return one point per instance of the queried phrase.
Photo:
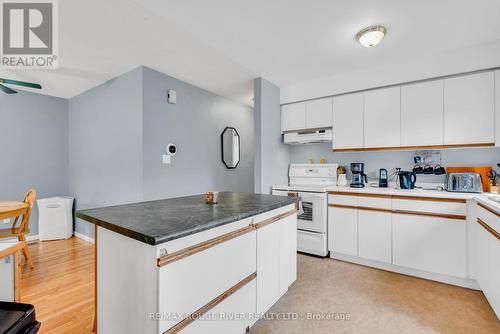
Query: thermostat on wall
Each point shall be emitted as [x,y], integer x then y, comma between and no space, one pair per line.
[171,96]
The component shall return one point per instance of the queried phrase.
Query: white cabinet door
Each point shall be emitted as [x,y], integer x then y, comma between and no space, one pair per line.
[374,235]
[319,113]
[382,118]
[482,270]
[268,266]
[348,121]
[469,109]
[429,243]
[493,293]
[288,252]
[293,116]
[217,269]
[497,108]
[422,114]
[343,230]
[241,302]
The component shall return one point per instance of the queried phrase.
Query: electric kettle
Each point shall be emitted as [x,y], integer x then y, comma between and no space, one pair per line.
[407,180]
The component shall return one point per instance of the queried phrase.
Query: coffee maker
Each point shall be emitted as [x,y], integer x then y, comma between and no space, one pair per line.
[358,176]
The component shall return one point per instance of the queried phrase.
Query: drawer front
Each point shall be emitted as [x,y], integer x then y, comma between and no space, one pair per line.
[242,302]
[429,206]
[351,200]
[432,244]
[379,202]
[489,218]
[189,283]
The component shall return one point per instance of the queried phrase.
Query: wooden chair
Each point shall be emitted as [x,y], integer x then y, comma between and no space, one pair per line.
[21,230]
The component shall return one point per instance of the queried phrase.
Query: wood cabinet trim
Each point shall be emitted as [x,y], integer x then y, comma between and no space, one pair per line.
[191,250]
[489,209]
[274,219]
[364,208]
[430,214]
[185,252]
[425,147]
[404,212]
[488,228]
[407,197]
[430,199]
[214,302]
[346,193]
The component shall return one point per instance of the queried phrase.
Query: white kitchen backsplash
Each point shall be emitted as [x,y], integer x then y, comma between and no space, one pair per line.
[391,160]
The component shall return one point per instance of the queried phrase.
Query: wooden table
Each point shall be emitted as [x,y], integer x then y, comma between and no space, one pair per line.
[12,209]
[8,249]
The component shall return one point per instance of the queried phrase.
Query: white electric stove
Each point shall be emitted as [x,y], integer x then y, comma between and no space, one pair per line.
[309,182]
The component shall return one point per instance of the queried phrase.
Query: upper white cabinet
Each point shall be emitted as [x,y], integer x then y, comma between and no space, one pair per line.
[348,121]
[307,115]
[497,108]
[319,113]
[293,116]
[382,118]
[422,114]
[469,109]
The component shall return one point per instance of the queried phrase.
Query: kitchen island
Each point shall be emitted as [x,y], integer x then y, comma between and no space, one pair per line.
[180,265]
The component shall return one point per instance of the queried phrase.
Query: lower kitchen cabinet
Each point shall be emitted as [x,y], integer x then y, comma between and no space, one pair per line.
[432,244]
[374,235]
[343,230]
[241,302]
[493,293]
[268,266]
[288,252]
[487,258]
[276,260]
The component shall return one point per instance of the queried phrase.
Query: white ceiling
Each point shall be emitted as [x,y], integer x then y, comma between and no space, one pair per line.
[221,45]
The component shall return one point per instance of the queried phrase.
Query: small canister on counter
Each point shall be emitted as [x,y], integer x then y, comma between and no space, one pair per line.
[211,197]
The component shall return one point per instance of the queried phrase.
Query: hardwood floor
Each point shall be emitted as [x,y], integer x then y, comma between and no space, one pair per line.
[61,285]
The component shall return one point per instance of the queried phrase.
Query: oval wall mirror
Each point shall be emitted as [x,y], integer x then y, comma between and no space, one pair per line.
[230,142]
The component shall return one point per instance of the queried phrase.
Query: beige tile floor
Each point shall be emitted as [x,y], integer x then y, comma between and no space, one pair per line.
[376,302]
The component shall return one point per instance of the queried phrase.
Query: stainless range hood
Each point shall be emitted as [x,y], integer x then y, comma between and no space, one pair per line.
[308,136]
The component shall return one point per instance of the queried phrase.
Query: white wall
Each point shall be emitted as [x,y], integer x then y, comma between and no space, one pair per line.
[389,160]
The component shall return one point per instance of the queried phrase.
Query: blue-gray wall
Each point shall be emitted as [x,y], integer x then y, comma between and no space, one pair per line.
[33,147]
[119,131]
[392,159]
[271,155]
[194,124]
[105,141]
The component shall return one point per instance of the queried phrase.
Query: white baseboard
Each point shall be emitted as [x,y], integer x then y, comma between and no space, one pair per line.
[463,282]
[83,237]
[29,239]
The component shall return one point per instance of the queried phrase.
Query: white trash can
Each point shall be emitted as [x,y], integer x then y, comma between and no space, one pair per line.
[55,218]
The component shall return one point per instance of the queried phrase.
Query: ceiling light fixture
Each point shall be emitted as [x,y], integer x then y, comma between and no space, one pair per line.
[371,36]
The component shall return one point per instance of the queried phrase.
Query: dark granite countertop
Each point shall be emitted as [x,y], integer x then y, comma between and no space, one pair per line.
[156,222]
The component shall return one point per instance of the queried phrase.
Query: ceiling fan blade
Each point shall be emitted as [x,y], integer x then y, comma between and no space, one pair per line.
[7,90]
[21,83]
